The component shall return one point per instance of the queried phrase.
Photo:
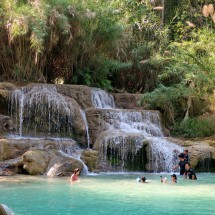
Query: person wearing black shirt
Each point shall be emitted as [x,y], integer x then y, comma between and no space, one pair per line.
[186,155]
[189,172]
[181,164]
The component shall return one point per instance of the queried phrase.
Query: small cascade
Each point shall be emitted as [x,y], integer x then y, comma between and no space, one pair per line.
[102,99]
[146,122]
[87,127]
[40,108]
[163,154]
[128,130]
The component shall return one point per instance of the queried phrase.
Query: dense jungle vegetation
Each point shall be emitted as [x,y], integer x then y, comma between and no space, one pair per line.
[164,49]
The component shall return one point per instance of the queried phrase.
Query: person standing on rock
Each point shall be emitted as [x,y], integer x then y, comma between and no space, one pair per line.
[75,174]
[181,164]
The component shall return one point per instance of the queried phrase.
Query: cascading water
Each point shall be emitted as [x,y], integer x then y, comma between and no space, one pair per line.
[128,129]
[102,99]
[146,122]
[87,127]
[41,108]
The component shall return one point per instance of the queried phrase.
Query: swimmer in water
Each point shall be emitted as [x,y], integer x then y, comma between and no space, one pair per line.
[75,174]
[174,179]
[163,180]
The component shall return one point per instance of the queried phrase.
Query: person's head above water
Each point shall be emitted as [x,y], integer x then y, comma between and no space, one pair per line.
[174,178]
[187,166]
[143,179]
[76,171]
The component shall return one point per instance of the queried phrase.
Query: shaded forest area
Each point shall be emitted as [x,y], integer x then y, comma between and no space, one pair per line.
[164,49]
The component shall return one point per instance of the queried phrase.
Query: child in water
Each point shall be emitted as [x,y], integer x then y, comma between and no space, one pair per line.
[75,174]
[173,179]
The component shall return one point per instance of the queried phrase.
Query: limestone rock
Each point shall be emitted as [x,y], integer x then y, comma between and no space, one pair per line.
[5,89]
[11,167]
[36,162]
[13,148]
[90,158]
[127,100]
[81,93]
[63,166]
[5,123]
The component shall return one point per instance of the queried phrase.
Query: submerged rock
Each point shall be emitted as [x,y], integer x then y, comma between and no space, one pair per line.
[63,166]
[5,210]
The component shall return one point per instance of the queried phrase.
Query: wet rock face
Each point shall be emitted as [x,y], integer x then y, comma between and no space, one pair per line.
[127,100]
[5,90]
[5,124]
[90,158]
[82,94]
[63,166]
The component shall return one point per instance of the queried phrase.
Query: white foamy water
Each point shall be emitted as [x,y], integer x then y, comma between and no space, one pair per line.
[87,127]
[33,104]
[102,99]
[145,122]
[128,130]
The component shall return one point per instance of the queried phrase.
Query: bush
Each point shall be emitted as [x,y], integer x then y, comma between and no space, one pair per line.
[195,127]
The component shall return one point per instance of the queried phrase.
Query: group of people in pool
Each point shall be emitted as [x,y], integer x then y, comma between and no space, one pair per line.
[184,165]
[185,169]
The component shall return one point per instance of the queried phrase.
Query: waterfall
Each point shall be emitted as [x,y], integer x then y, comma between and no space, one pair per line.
[163,154]
[123,140]
[102,99]
[145,122]
[117,148]
[87,127]
[41,108]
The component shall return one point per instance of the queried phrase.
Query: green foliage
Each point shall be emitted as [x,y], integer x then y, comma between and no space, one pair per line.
[195,127]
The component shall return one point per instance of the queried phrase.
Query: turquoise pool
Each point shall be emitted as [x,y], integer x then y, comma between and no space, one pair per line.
[117,194]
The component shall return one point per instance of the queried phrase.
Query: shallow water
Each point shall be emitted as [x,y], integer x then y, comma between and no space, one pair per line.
[108,194]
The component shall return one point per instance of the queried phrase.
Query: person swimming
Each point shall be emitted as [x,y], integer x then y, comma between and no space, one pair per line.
[173,178]
[142,180]
[163,180]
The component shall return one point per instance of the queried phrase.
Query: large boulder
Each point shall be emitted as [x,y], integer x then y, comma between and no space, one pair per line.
[90,158]
[13,148]
[35,162]
[63,166]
